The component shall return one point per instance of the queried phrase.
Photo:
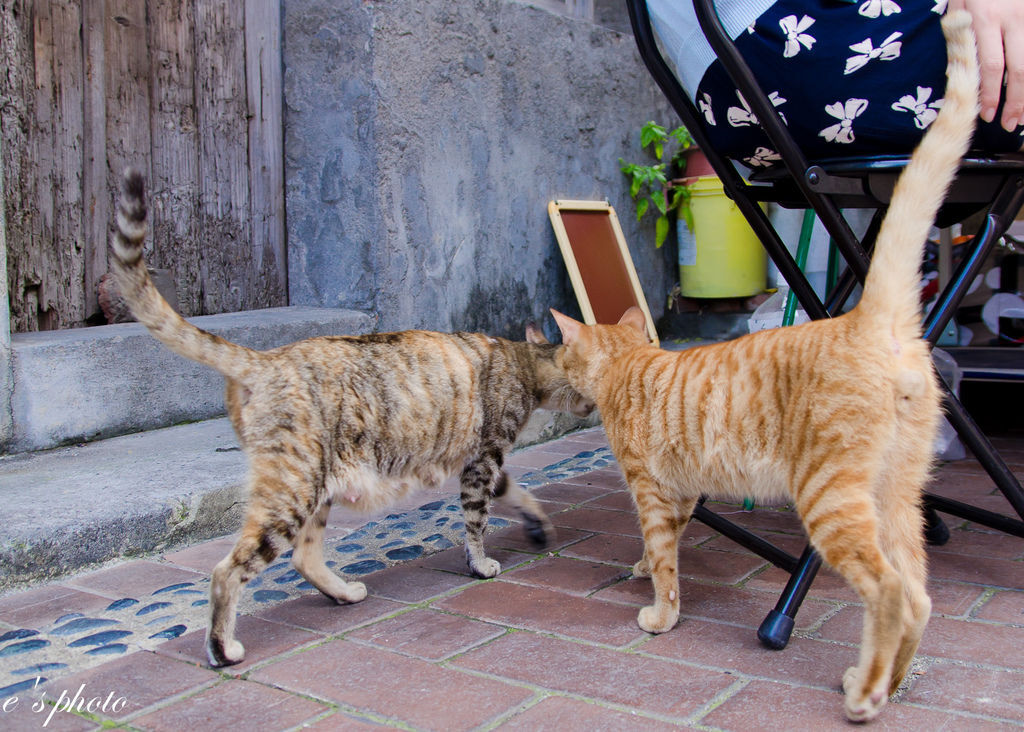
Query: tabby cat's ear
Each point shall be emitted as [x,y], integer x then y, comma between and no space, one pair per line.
[634,317]
[534,335]
[570,328]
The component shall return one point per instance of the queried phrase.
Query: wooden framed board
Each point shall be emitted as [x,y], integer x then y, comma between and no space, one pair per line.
[600,267]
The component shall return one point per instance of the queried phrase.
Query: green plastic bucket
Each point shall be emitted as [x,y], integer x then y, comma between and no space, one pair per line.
[722,257]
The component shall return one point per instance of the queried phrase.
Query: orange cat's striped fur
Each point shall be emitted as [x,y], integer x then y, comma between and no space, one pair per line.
[361,420]
[837,415]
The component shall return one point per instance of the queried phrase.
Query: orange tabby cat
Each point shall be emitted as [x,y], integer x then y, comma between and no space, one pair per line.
[838,416]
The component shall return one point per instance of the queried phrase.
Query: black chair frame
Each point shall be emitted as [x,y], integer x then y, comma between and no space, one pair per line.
[826,186]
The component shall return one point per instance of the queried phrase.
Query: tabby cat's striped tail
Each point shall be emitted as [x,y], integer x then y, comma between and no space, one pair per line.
[892,287]
[146,303]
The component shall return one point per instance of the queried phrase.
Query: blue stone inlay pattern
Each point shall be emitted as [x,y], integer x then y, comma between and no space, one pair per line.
[75,641]
[81,624]
[17,634]
[19,686]
[114,649]
[16,649]
[122,603]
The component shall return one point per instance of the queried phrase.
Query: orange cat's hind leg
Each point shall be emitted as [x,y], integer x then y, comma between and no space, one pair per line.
[843,527]
[308,560]
[901,531]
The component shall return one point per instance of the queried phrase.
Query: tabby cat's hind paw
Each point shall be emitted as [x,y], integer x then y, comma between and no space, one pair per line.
[538,529]
[221,653]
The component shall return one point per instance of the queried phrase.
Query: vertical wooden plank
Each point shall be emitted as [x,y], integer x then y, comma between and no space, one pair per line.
[39,278]
[174,189]
[223,160]
[68,255]
[95,193]
[17,103]
[126,85]
[269,273]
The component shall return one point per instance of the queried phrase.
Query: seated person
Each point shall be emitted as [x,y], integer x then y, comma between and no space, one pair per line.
[849,77]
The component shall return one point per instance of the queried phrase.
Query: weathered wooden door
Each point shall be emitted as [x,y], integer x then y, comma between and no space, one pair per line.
[187,90]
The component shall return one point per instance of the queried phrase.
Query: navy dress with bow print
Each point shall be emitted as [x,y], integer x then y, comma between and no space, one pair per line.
[848,79]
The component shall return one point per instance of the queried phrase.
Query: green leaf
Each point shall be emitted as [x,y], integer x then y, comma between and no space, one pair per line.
[687,213]
[682,136]
[641,208]
[651,132]
[660,231]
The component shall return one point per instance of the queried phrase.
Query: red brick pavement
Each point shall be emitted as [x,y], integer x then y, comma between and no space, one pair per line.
[553,642]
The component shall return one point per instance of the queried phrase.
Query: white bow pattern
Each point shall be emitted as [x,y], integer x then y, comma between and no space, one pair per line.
[762,158]
[705,107]
[924,113]
[889,50]
[743,117]
[795,36]
[874,8]
[845,113]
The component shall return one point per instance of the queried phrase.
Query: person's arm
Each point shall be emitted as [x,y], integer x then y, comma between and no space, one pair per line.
[999,28]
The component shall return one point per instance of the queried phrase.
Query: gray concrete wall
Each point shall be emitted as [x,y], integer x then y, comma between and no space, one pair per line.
[423,141]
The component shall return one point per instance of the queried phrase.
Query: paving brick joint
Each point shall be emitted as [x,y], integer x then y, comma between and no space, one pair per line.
[552,642]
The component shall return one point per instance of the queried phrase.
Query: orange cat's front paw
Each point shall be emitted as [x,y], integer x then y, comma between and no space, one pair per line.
[657,618]
[641,568]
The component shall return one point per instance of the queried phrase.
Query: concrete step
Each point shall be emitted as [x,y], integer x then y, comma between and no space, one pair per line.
[92,383]
[76,506]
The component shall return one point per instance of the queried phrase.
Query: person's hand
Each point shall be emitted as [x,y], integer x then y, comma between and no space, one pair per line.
[999,28]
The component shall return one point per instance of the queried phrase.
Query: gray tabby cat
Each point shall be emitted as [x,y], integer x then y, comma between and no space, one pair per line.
[362,420]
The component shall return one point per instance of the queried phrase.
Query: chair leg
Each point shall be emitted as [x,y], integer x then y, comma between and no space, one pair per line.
[1007,203]
[778,625]
[987,455]
[936,532]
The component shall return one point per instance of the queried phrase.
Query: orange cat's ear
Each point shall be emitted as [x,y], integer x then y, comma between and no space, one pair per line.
[534,335]
[570,328]
[634,317]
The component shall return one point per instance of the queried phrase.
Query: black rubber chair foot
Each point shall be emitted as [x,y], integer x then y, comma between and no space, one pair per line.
[936,532]
[775,630]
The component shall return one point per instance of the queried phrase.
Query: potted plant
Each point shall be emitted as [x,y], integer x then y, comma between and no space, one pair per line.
[650,182]
[719,255]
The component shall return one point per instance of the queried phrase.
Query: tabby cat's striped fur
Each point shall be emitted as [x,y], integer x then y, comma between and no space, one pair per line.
[838,416]
[361,420]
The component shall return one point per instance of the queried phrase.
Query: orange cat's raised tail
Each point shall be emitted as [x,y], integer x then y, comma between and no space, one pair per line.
[892,286]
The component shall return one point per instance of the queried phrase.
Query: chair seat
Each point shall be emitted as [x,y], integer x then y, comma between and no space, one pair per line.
[868,182]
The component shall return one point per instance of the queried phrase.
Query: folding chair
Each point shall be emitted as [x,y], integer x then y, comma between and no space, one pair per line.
[985,182]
